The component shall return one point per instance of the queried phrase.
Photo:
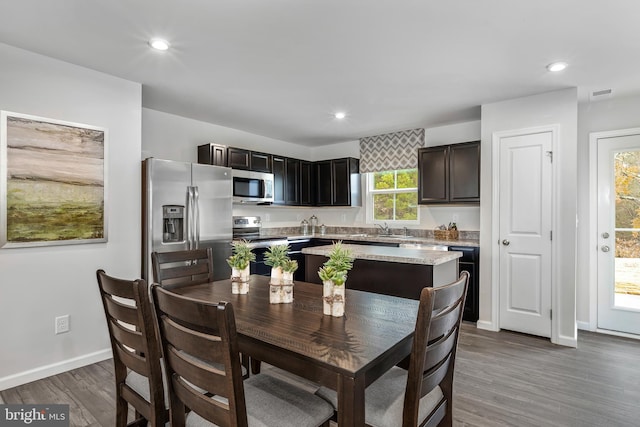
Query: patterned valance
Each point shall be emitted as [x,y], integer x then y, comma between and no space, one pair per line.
[398,150]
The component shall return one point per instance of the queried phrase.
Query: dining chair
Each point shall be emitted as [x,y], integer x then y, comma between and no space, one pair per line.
[196,335]
[180,268]
[136,351]
[423,394]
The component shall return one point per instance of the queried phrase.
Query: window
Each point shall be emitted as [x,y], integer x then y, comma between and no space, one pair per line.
[393,195]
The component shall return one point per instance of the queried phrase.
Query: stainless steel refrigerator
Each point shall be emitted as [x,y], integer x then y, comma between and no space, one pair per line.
[186,206]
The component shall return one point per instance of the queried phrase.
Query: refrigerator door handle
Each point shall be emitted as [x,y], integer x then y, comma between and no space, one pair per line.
[196,217]
[189,218]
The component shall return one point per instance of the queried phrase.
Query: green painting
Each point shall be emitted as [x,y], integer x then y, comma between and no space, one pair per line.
[53,182]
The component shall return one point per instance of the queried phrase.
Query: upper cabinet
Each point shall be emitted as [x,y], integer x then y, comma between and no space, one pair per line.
[260,162]
[238,158]
[449,174]
[338,182]
[212,154]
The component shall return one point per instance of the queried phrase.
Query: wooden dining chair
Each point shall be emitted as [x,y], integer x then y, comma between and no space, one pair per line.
[180,268]
[423,394]
[197,335]
[136,351]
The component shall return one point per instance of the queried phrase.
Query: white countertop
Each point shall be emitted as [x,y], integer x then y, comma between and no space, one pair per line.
[390,254]
[387,239]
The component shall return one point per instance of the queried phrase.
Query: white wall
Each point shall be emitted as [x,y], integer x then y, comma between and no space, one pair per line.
[612,114]
[552,108]
[38,284]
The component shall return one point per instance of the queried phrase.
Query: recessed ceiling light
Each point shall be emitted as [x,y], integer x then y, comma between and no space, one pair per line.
[340,115]
[557,66]
[159,44]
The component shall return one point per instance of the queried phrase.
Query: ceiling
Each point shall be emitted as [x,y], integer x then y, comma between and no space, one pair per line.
[282,68]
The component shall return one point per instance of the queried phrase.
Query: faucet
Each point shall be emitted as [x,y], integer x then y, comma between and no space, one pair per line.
[384,231]
[406,232]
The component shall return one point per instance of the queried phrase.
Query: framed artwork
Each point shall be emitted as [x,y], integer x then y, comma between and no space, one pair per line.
[52,182]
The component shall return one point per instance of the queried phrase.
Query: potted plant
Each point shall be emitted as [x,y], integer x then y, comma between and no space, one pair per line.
[333,274]
[239,262]
[275,257]
[283,292]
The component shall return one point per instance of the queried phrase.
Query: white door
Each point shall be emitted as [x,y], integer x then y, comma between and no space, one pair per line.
[525,190]
[619,233]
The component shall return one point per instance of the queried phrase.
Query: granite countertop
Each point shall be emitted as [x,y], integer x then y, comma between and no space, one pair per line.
[390,254]
[387,239]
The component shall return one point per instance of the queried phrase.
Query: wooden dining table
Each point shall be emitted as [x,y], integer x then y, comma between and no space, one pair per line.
[344,353]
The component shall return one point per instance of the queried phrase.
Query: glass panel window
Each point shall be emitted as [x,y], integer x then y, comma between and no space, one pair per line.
[393,196]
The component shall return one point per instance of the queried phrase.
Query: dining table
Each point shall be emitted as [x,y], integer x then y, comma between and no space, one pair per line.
[343,353]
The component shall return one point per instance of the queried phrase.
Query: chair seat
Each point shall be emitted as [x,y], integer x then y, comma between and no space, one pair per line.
[272,402]
[384,399]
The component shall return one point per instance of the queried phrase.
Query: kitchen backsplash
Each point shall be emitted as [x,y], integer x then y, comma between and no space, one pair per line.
[427,234]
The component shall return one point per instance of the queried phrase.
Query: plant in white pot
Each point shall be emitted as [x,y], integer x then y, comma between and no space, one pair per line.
[275,257]
[334,275]
[239,262]
[283,292]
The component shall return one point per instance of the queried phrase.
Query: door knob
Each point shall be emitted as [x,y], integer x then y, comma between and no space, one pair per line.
[506,242]
[605,235]
[605,249]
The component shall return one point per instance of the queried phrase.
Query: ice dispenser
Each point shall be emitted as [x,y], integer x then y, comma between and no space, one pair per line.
[172,223]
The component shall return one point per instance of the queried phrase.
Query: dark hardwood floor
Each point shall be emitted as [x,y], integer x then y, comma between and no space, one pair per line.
[502,379]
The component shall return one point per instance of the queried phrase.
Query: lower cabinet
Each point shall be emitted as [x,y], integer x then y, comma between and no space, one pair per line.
[470,262]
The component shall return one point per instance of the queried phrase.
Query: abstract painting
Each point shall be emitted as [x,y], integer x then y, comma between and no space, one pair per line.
[52,182]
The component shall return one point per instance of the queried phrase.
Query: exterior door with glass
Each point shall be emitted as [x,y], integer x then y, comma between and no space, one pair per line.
[618,177]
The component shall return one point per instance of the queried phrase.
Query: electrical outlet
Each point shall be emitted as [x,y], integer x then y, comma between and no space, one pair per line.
[267,217]
[454,218]
[344,217]
[62,324]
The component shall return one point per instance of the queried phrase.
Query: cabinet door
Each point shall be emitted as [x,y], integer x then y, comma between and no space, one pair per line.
[238,158]
[307,193]
[341,186]
[278,169]
[292,182]
[464,172]
[323,183]
[433,170]
[212,154]
[260,162]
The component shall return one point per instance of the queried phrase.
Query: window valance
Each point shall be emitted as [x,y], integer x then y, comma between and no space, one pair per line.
[397,150]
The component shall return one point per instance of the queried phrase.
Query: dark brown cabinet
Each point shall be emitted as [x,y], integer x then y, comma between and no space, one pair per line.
[212,154]
[307,180]
[338,182]
[238,158]
[278,167]
[449,174]
[260,162]
[292,182]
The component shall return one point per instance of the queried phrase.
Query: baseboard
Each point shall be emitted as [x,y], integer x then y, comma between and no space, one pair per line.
[567,341]
[487,326]
[53,369]
[584,326]
[618,334]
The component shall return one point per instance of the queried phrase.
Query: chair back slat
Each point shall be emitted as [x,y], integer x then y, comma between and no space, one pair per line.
[117,310]
[444,322]
[180,268]
[435,376]
[132,360]
[196,335]
[134,344]
[127,336]
[433,351]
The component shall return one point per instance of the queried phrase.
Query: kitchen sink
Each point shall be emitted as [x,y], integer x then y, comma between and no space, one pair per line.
[426,247]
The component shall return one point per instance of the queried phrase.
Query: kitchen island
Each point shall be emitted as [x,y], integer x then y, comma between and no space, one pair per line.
[387,270]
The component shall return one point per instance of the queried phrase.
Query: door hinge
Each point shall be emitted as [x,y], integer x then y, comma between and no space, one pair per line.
[551,235]
[550,154]
[551,314]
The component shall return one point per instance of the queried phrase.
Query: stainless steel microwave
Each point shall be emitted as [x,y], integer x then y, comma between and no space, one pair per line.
[252,187]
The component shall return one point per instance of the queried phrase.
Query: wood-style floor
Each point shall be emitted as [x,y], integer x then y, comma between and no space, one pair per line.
[502,379]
